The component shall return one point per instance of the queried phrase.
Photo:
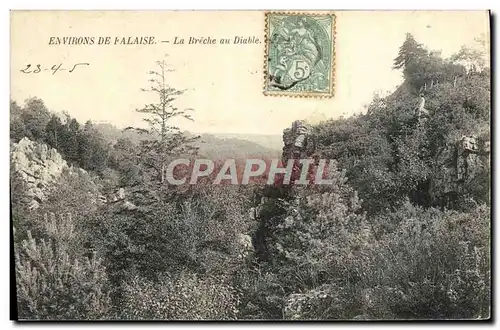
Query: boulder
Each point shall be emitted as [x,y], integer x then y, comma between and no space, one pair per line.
[245,246]
[298,142]
[121,193]
[458,164]
[38,166]
[298,306]
[128,206]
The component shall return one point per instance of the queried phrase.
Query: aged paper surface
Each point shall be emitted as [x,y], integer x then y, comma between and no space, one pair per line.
[149,154]
[300,54]
[229,75]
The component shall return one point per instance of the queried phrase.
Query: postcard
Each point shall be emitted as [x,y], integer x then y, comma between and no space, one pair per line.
[250,165]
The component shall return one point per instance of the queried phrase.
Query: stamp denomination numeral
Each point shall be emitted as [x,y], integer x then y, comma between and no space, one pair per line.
[299,70]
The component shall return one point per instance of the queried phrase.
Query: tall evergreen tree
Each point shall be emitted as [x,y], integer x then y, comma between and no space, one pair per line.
[93,149]
[69,139]
[17,129]
[409,52]
[35,117]
[53,131]
[164,138]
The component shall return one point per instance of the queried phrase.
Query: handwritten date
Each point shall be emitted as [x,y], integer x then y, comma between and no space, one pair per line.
[33,69]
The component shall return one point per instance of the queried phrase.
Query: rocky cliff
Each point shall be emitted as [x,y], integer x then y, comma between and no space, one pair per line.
[297,141]
[38,166]
[459,165]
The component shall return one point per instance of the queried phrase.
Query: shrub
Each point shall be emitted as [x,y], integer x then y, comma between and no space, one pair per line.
[53,284]
[314,242]
[198,231]
[261,294]
[434,264]
[185,297]
[424,264]
[320,233]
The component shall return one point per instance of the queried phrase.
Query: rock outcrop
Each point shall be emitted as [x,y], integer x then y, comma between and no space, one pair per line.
[298,304]
[298,142]
[245,246]
[459,164]
[118,200]
[38,166]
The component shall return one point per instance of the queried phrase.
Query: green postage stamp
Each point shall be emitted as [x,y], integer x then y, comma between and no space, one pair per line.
[300,54]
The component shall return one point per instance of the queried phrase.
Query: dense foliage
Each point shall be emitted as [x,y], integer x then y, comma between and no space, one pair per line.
[389,239]
[390,152]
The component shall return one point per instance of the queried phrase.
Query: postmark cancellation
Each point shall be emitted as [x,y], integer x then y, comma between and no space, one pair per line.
[299,54]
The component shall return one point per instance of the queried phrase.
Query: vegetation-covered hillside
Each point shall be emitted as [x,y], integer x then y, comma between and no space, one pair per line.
[402,233]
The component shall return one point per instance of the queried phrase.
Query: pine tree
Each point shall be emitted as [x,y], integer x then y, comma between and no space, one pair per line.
[70,143]
[164,139]
[53,131]
[53,281]
[17,129]
[409,52]
[93,150]
[35,117]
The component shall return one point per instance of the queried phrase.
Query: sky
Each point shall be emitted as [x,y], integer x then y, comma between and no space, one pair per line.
[223,82]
